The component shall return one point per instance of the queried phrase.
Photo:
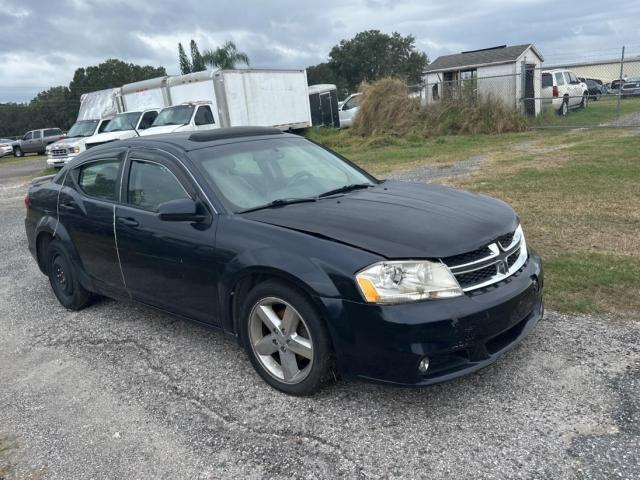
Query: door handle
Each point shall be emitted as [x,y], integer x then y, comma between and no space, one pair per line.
[130,222]
[71,205]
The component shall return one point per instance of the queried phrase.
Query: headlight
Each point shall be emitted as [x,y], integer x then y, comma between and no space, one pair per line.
[75,149]
[407,281]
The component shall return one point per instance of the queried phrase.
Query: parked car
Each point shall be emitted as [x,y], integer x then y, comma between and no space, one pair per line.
[189,117]
[63,151]
[309,261]
[36,141]
[348,110]
[594,88]
[631,87]
[563,91]
[615,86]
[6,146]
[122,126]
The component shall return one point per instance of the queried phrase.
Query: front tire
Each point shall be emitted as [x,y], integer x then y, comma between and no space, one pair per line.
[64,278]
[286,340]
[17,152]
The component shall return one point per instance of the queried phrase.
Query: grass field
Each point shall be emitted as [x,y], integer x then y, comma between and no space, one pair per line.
[577,192]
[601,112]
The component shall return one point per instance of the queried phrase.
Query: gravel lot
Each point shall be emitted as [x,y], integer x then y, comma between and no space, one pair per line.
[117,391]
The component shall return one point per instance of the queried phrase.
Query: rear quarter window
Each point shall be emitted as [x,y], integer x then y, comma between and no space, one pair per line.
[99,179]
[547,80]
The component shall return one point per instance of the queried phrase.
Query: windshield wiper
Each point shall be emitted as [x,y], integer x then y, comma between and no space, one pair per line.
[345,188]
[278,203]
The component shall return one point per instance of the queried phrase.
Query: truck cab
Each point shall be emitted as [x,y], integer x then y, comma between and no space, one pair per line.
[124,125]
[36,141]
[186,117]
[63,151]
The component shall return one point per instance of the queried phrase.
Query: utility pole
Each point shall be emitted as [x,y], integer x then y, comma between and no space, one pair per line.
[620,84]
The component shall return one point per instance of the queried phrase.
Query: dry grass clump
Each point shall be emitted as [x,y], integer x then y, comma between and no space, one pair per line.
[386,108]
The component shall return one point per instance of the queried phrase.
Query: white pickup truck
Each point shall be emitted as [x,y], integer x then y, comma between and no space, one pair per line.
[65,150]
[124,125]
[192,116]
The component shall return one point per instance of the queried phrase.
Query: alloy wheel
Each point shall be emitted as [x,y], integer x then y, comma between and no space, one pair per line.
[280,340]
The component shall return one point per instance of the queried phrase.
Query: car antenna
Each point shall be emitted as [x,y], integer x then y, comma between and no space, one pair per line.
[134,129]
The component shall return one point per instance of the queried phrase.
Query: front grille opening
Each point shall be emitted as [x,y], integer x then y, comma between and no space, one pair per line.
[511,259]
[501,341]
[468,257]
[505,240]
[477,276]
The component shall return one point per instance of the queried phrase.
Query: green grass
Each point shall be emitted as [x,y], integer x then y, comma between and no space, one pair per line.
[10,159]
[598,112]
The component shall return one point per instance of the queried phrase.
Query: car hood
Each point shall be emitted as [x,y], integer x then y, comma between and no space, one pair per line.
[109,136]
[400,220]
[163,129]
[69,142]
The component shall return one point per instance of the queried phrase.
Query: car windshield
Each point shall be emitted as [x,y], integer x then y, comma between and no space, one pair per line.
[274,171]
[178,115]
[84,128]
[124,121]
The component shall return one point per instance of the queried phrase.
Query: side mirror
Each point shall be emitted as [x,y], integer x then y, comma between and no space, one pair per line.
[180,210]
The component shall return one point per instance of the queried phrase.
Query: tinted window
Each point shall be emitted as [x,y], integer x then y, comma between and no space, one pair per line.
[151,184]
[37,134]
[98,179]
[204,116]
[547,81]
[147,120]
[559,78]
[103,126]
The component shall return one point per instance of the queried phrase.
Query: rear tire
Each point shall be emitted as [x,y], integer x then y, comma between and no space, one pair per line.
[564,108]
[17,152]
[64,278]
[285,338]
[585,100]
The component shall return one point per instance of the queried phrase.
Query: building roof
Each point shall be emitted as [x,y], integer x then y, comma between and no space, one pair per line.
[475,58]
[612,61]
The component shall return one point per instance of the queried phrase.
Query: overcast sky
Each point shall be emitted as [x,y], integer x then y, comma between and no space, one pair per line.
[42,42]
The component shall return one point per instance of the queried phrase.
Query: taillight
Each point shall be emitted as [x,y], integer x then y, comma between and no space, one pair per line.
[27,201]
[62,137]
[556,92]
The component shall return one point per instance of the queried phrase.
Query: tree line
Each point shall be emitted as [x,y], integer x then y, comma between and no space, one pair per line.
[368,56]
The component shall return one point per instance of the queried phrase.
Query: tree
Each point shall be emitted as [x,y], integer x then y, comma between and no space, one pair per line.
[185,64]
[225,57]
[197,62]
[372,55]
[323,73]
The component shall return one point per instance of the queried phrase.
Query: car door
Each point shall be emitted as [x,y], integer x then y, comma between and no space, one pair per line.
[348,111]
[575,87]
[167,264]
[86,207]
[27,143]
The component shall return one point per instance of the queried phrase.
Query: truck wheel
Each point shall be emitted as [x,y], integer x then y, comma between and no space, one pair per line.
[64,278]
[285,339]
[585,100]
[564,108]
[17,152]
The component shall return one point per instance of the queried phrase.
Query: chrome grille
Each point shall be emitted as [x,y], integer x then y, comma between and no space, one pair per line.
[60,152]
[490,264]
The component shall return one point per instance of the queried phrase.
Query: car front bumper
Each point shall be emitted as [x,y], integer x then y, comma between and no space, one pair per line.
[385,343]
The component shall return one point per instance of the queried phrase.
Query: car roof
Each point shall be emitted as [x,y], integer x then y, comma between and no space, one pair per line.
[189,141]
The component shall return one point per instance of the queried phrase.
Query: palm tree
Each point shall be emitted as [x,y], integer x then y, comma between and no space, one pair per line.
[225,57]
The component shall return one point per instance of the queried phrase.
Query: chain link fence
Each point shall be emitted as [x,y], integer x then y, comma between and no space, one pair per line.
[578,93]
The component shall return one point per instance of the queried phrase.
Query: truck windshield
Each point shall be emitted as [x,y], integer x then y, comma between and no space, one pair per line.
[84,128]
[178,115]
[124,121]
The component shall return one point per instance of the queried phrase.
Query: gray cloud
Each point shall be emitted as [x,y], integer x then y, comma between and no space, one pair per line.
[44,41]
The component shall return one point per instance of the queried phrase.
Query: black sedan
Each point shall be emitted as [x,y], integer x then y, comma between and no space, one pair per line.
[314,265]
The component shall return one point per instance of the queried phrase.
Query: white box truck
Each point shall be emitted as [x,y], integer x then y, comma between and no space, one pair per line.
[96,110]
[145,95]
[231,98]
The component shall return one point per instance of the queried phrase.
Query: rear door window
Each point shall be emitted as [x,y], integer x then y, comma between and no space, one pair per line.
[37,134]
[559,78]
[99,179]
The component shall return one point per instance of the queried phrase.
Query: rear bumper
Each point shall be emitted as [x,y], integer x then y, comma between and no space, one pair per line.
[385,343]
